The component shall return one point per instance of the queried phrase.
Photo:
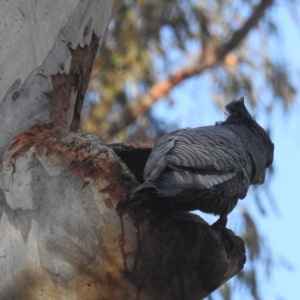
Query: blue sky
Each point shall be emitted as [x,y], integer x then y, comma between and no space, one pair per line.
[282,231]
[279,229]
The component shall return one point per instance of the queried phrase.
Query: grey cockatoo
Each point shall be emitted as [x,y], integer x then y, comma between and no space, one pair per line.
[209,168]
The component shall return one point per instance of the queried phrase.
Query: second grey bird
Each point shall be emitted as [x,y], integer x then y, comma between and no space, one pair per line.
[209,168]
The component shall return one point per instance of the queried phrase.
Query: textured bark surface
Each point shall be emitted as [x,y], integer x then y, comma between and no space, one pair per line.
[46,56]
[66,230]
[59,200]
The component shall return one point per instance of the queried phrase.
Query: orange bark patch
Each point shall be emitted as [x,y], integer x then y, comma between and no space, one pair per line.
[37,135]
[108,203]
[75,82]
[74,154]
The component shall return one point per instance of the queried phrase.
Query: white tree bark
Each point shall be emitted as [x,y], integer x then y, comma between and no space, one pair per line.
[62,232]
[42,43]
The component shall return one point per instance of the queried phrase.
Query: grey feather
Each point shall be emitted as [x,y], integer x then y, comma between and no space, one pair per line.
[210,168]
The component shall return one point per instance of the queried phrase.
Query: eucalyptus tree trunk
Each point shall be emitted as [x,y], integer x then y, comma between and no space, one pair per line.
[64,232]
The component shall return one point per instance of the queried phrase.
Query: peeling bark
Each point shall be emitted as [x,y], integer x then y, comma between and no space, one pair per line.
[66,229]
[46,57]
[75,81]
[79,238]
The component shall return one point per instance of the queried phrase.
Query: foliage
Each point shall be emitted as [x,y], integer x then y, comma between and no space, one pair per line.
[149,48]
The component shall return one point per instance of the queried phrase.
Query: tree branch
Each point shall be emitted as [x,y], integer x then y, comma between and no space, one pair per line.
[210,58]
[86,241]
